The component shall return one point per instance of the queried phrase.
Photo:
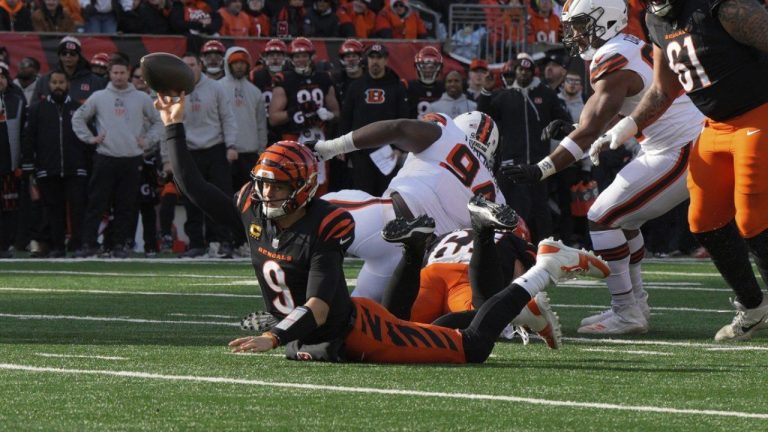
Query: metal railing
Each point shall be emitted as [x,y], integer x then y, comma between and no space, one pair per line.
[494,33]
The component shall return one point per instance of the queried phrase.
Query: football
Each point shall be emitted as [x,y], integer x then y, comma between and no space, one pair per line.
[167,74]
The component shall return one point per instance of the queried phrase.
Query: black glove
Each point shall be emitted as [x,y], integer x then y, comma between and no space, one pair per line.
[522,173]
[556,130]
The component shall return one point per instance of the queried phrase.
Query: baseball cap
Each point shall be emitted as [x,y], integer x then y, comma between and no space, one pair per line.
[377,49]
[558,56]
[69,43]
[239,55]
[478,64]
[525,60]
[100,59]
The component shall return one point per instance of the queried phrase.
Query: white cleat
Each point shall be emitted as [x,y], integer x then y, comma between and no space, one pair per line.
[562,261]
[538,316]
[644,308]
[746,322]
[619,321]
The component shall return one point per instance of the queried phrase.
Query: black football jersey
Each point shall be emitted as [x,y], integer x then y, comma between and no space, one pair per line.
[265,82]
[456,247]
[721,76]
[421,95]
[301,89]
[341,82]
[302,261]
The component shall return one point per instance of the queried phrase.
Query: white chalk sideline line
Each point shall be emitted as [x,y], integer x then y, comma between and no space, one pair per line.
[710,346]
[112,319]
[126,274]
[379,391]
[80,356]
[618,351]
[146,293]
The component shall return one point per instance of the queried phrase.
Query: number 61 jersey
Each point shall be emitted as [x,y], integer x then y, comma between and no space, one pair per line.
[440,180]
[723,77]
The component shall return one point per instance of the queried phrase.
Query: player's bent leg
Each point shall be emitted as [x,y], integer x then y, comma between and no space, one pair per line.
[403,287]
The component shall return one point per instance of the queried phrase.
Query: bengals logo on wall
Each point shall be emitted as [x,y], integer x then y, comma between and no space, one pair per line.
[374,96]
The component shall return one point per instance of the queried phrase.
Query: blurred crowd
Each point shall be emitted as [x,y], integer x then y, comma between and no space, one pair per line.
[82,163]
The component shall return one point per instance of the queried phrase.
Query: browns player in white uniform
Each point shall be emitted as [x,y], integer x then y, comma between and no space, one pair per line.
[650,185]
[447,166]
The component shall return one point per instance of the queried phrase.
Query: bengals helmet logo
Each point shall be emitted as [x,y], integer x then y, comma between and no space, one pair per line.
[374,96]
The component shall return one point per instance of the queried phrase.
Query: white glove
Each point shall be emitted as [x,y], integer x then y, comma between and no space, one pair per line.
[324,114]
[616,136]
[330,148]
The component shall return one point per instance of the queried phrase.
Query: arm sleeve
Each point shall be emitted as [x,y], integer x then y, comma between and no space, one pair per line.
[80,120]
[227,116]
[336,233]
[28,147]
[211,200]
[261,122]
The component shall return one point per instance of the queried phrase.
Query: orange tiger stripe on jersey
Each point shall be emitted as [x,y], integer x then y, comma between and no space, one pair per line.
[245,191]
[611,64]
[340,229]
[328,219]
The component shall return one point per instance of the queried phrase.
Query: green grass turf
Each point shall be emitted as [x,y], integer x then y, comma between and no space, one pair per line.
[675,366]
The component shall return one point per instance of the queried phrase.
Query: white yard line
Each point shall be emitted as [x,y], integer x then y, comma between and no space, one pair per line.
[709,346]
[380,391]
[147,293]
[204,315]
[653,309]
[252,282]
[124,274]
[618,351]
[113,319]
[80,356]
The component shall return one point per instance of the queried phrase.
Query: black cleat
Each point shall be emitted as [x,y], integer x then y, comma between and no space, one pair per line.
[487,215]
[414,232]
[258,322]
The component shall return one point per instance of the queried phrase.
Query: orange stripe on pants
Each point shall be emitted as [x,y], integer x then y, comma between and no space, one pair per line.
[379,337]
[728,174]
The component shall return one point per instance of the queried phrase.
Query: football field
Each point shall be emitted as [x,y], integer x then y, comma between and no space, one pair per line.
[141,345]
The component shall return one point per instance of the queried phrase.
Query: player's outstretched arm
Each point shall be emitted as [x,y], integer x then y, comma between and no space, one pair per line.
[599,110]
[746,21]
[210,199]
[408,135]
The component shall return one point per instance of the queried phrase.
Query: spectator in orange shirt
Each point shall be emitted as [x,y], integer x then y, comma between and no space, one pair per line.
[234,22]
[505,26]
[399,21]
[360,16]
[261,24]
[544,25]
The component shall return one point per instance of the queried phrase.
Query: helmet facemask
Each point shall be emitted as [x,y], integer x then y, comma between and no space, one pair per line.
[302,67]
[428,71]
[351,62]
[581,34]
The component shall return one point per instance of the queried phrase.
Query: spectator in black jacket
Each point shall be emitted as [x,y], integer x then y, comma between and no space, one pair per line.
[56,157]
[321,20]
[522,110]
[82,82]
[378,95]
[15,16]
[147,17]
[13,111]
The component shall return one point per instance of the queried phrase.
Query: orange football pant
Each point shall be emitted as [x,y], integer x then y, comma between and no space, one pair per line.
[379,337]
[444,288]
[728,174]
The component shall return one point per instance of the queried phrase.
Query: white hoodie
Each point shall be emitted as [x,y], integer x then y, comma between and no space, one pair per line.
[120,116]
[248,106]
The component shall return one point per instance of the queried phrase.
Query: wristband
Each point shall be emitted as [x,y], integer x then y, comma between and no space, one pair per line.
[275,339]
[298,324]
[572,148]
[547,167]
[336,146]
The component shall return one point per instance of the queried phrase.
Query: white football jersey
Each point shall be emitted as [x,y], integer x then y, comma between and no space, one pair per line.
[679,125]
[440,180]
